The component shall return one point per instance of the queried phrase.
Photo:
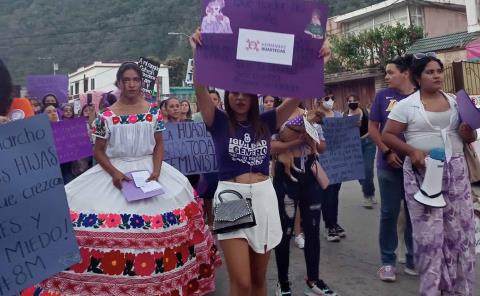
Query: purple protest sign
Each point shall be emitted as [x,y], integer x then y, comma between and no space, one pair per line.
[71,139]
[249,46]
[467,109]
[41,85]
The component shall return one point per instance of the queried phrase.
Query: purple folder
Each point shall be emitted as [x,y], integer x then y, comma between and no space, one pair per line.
[468,111]
[133,193]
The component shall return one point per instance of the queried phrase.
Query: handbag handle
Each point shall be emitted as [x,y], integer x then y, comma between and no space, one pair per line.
[229,191]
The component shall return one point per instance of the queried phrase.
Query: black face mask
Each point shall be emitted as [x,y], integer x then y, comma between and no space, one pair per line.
[353,106]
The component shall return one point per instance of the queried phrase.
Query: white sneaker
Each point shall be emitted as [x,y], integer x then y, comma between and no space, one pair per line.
[410,271]
[368,202]
[300,240]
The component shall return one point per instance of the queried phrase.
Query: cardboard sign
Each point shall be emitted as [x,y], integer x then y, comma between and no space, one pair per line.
[189,75]
[36,235]
[249,46]
[467,109]
[343,160]
[40,86]
[189,148]
[149,72]
[311,130]
[72,139]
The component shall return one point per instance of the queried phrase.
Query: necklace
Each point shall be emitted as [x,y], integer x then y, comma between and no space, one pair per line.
[243,125]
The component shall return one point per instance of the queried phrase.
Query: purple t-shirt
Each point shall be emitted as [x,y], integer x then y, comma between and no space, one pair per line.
[237,153]
[384,102]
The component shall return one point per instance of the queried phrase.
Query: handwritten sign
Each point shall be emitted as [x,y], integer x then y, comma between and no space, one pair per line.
[149,72]
[71,139]
[36,235]
[189,148]
[249,47]
[342,161]
[41,85]
[311,130]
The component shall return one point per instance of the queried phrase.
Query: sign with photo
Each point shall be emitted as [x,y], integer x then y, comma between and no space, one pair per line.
[248,46]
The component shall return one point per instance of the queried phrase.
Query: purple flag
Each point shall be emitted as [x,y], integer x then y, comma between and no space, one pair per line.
[262,47]
[467,109]
[41,85]
[71,139]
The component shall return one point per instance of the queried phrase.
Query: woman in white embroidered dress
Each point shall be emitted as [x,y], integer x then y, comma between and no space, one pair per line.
[156,246]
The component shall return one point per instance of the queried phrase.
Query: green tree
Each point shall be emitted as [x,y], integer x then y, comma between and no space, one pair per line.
[371,48]
[177,68]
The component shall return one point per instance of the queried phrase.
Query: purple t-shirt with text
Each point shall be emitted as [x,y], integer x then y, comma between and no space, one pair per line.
[384,102]
[239,153]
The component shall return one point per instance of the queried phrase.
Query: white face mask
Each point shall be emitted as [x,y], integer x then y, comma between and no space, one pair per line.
[328,104]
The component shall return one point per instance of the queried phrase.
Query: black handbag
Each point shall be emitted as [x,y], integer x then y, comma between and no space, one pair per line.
[234,214]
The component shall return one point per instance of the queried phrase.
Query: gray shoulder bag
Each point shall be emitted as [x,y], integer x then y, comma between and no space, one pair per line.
[234,214]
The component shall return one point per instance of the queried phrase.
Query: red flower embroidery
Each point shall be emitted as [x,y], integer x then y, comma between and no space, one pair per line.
[82,265]
[144,264]
[147,218]
[28,292]
[198,237]
[113,263]
[157,222]
[130,257]
[97,254]
[149,117]
[116,120]
[158,256]
[206,270]
[107,113]
[192,210]
[113,220]
[192,286]
[132,118]
[73,216]
[169,260]
[185,253]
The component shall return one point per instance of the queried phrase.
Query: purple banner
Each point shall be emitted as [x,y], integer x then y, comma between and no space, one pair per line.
[41,85]
[72,139]
[263,47]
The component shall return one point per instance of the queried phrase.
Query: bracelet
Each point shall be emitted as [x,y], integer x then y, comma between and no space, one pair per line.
[386,153]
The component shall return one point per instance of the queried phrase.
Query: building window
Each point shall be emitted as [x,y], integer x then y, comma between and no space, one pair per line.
[77,87]
[416,15]
[71,90]
[92,83]
[85,85]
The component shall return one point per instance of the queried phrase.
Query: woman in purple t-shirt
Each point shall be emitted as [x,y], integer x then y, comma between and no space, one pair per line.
[242,139]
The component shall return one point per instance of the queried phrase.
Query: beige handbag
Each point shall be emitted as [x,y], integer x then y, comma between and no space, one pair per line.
[473,162]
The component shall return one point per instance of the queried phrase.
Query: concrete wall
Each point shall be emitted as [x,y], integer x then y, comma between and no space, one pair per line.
[440,21]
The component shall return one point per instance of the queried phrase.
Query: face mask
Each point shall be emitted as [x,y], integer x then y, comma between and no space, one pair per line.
[328,104]
[353,106]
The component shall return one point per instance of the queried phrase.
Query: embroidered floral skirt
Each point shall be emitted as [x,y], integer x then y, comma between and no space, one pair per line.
[158,246]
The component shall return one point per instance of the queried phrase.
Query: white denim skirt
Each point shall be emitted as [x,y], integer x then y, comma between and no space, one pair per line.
[267,234]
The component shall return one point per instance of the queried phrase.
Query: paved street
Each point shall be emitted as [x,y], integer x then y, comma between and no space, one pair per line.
[349,267]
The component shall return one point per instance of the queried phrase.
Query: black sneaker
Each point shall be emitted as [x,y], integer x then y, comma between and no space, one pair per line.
[283,290]
[331,235]
[319,288]
[340,231]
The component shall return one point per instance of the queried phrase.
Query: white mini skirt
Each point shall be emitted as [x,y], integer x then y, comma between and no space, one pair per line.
[267,234]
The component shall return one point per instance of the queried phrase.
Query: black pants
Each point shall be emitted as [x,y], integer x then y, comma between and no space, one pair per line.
[307,194]
[330,205]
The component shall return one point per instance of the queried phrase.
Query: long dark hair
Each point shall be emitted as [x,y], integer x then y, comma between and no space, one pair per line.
[189,113]
[253,117]
[127,66]
[418,65]
[403,63]
[6,88]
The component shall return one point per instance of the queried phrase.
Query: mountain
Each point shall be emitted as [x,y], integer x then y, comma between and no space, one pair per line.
[34,34]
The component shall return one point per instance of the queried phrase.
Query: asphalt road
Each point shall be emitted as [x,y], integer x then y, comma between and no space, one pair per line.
[349,267]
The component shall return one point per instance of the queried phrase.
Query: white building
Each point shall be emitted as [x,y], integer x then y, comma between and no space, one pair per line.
[100,77]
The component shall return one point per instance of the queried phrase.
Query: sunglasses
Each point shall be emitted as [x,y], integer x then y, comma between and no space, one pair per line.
[326,99]
[421,55]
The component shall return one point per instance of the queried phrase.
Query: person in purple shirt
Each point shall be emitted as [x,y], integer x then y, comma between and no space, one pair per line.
[242,138]
[389,168]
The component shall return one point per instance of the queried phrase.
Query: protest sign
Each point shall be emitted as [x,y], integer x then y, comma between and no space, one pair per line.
[343,160]
[36,235]
[149,72]
[468,110]
[39,86]
[248,46]
[72,139]
[189,148]
[189,74]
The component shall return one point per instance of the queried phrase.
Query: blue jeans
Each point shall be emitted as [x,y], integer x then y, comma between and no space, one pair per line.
[392,193]
[368,153]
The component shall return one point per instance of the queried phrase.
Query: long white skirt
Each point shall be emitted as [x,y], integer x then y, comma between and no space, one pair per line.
[156,246]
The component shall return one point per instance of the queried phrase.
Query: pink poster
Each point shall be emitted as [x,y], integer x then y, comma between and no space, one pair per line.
[473,50]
